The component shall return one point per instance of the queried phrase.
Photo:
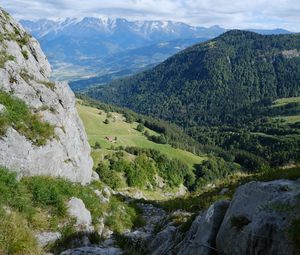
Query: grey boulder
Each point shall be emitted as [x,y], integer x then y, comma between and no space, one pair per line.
[259,219]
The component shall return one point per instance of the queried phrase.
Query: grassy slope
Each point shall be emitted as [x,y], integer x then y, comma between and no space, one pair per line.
[284,101]
[127,135]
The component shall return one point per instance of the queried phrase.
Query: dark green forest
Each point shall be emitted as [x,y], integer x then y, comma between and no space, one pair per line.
[221,93]
[208,83]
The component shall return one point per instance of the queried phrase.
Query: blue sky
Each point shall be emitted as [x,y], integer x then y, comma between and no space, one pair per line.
[229,14]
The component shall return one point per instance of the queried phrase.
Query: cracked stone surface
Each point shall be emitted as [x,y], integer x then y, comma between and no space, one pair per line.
[66,156]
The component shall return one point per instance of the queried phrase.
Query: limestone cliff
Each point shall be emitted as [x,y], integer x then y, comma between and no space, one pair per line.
[24,74]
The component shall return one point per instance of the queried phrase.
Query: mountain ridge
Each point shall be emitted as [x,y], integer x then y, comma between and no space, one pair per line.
[195,64]
[79,47]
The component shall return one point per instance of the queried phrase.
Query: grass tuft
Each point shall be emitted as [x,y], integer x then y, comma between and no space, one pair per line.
[4,57]
[19,116]
[25,54]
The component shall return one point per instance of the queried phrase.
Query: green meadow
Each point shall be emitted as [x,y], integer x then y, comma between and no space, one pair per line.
[126,134]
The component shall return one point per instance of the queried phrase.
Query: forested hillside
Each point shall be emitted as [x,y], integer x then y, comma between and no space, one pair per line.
[222,92]
[206,84]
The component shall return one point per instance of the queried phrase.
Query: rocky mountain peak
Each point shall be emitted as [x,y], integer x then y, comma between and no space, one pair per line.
[48,138]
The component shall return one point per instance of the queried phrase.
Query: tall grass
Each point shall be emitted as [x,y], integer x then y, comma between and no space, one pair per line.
[39,204]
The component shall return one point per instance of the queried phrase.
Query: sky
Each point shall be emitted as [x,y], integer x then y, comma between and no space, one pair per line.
[263,14]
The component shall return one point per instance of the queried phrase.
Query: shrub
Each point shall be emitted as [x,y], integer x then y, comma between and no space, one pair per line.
[97,146]
[140,127]
[214,169]
[106,121]
[129,118]
[109,177]
[161,139]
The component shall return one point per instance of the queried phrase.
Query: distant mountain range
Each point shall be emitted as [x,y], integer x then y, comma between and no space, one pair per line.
[105,47]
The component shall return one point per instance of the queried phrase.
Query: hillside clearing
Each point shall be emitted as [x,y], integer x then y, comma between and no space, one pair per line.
[126,134]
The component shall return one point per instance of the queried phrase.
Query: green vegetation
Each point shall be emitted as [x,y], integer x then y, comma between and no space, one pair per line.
[286,101]
[39,203]
[49,84]
[214,169]
[26,76]
[173,134]
[23,40]
[25,54]
[16,237]
[140,127]
[4,57]
[142,168]
[221,93]
[6,14]
[127,135]
[203,198]
[19,116]
[241,68]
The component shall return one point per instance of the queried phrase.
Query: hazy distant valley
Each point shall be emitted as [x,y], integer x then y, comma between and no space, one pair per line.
[92,51]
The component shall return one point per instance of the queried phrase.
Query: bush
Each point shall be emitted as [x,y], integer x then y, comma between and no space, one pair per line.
[109,177]
[161,139]
[129,118]
[250,161]
[106,121]
[97,146]
[214,169]
[140,127]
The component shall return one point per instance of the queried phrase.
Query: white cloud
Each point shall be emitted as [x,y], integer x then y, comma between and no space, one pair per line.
[230,14]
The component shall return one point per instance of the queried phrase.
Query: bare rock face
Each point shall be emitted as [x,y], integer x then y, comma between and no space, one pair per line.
[201,237]
[260,218]
[77,210]
[45,238]
[24,74]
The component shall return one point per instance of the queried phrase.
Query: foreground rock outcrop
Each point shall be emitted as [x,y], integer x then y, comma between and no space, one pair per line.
[24,73]
[260,219]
